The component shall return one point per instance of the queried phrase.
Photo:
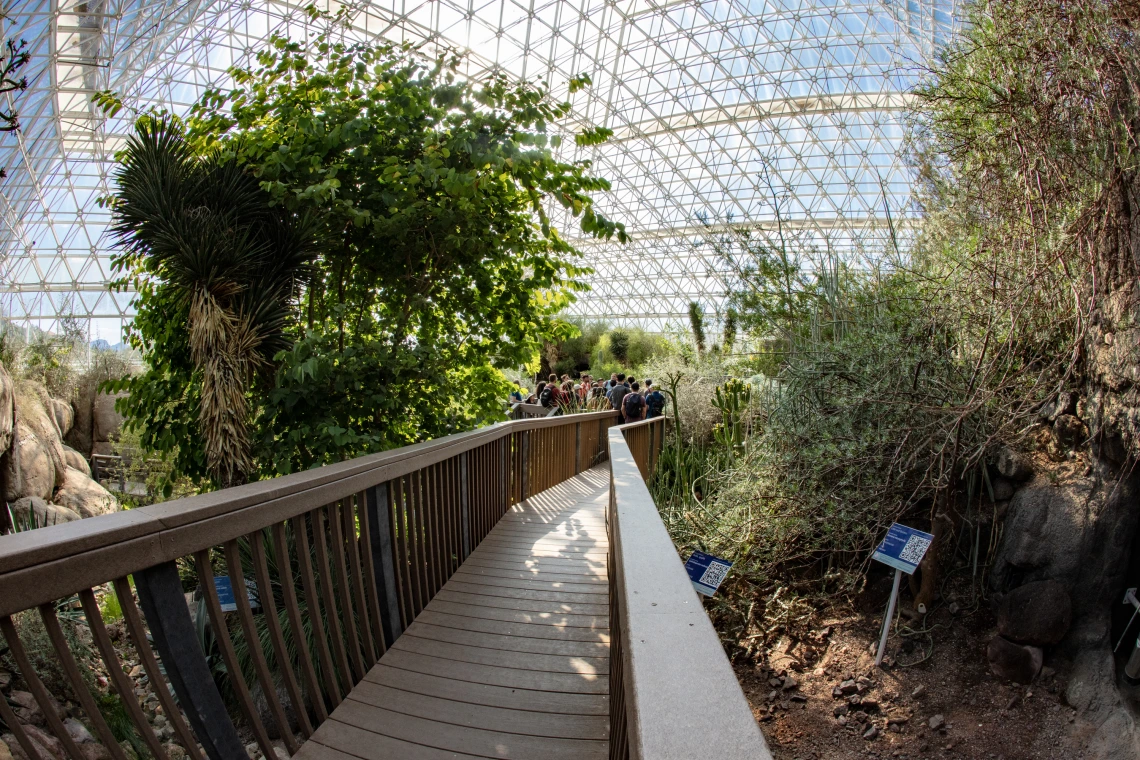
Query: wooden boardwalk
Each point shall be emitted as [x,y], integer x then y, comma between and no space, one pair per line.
[511,657]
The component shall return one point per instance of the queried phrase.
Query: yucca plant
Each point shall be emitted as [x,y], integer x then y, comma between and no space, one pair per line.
[202,226]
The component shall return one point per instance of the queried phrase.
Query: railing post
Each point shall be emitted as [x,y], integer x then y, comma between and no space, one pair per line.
[464,508]
[383,564]
[505,472]
[577,448]
[525,460]
[602,443]
[649,454]
[176,638]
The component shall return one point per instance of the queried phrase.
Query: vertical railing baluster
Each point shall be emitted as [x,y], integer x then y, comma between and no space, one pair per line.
[401,516]
[296,626]
[465,504]
[226,645]
[40,693]
[253,642]
[525,462]
[313,605]
[354,507]
[383,556]
[176,637]
[335,512]
[31,751]
[273,623]
[420,542]
[328,597]
[79,688]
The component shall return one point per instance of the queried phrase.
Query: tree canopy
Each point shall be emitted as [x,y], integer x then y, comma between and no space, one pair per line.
[441,261]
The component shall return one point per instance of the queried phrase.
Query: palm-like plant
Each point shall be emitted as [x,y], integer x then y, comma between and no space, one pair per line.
[203,225]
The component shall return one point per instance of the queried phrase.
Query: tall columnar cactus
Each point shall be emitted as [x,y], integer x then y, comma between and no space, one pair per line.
[732,399]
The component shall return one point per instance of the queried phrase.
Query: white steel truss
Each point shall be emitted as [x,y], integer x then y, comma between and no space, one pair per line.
[723,112]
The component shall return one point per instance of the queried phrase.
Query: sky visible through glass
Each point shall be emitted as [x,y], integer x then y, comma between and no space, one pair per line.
[723,111]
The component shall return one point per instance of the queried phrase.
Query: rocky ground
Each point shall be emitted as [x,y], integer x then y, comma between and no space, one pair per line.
[16,691]
[825,698]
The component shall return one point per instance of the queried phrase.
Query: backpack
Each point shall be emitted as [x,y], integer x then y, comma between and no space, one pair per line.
[547,397]
[632,405]
[655,402]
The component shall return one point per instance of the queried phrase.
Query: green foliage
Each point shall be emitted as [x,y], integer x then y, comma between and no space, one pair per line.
[619,346]
[46,358]
[441,263]
[731,325]
[201,232]
[122,727]
[163,401]
[329,403]
[894,386]
[575,354]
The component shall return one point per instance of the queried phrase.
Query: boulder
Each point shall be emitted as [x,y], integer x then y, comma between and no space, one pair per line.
[1069,431]
[1003,489]
[97,751]
[35,411]
[1014,661]
[5,753]
[1037,614]
[7,409]
[29,470]
[1014,465]
[34,510]
[83,495]
[47,746]
[80,435]
[105,421]
[78,732]
[76,461]
[64,416]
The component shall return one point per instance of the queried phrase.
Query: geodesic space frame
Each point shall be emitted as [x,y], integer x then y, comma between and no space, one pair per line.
[784,116]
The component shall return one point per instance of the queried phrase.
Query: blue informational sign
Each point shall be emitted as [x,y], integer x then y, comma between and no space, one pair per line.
[225,589]
[707,572]
[903,548]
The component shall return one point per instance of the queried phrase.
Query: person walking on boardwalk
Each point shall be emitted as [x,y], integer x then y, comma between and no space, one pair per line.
[617,395]
[654,401]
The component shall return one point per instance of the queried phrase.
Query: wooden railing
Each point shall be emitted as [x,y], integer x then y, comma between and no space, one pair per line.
[673,693]
[340,560]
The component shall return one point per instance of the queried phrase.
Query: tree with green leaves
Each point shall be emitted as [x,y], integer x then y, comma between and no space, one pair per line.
[440,264]
[206,250]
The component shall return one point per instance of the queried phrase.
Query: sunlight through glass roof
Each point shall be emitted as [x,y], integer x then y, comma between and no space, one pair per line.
[723,112]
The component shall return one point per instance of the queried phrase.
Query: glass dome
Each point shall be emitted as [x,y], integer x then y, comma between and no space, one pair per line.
[741,112]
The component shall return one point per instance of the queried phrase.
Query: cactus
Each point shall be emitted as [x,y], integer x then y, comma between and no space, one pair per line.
[732,399]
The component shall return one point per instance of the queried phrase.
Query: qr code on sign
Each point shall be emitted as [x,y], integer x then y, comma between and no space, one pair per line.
[714,574]
[914,549]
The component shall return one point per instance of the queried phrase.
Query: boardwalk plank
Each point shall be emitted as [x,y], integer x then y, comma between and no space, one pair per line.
[510,659]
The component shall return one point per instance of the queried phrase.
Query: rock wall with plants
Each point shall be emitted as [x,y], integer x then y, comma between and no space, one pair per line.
[45,481]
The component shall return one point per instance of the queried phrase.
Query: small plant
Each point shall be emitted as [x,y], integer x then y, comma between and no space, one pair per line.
[24,522]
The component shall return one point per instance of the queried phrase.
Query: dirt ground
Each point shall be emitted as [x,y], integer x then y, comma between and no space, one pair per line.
[823,698]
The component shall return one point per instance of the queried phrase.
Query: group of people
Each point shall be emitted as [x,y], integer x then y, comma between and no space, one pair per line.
[624,395]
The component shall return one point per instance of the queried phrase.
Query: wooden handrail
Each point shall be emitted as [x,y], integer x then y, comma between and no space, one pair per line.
[673,693]
[363,545]
[49,563]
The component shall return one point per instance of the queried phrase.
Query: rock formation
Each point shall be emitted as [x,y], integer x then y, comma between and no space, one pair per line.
[44,481]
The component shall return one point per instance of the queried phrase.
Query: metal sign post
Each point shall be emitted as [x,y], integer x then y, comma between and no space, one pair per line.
[903,549]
